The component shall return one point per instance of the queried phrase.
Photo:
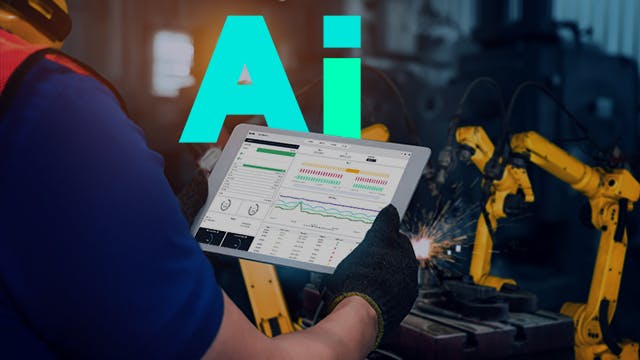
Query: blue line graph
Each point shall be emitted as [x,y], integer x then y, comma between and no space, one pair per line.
[326,211]
[328,203]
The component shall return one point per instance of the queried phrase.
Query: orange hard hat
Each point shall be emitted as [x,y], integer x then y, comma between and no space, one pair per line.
[44,22]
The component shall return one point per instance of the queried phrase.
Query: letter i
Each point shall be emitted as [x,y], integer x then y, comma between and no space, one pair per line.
[342,77]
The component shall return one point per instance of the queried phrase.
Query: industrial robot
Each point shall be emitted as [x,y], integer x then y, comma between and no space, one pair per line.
[611,194]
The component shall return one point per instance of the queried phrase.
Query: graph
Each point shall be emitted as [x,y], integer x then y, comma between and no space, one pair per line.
[326,209]
[317,180]
[368,187]
[346,169]
[301,200]
[371,180]
[320,173]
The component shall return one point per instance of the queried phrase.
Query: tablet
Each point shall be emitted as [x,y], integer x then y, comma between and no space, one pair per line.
[301,199]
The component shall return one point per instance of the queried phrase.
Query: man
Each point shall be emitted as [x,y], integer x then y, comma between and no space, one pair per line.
[96,260]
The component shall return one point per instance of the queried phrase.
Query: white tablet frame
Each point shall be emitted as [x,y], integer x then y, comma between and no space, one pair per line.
[401,198]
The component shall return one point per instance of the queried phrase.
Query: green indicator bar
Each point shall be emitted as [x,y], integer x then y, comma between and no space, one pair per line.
[368,187]
[318,180]
[342,87]
[262,168]
[276,152]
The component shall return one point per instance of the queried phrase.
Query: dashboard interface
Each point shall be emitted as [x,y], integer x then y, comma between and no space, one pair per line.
[305,200]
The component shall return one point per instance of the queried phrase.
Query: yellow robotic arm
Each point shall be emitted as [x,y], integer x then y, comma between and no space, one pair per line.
[502,181]
[611,195]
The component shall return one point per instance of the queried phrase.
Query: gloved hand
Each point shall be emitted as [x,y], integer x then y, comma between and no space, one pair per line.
[194,195]
[382,270]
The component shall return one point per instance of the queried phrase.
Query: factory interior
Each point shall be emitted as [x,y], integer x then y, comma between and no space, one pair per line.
[566,69]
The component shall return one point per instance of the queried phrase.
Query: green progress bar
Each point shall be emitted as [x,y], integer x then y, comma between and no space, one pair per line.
[262,168]
[318,180]
[368,187]
[276,152]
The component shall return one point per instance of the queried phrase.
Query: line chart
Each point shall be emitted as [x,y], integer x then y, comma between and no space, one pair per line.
[325,209]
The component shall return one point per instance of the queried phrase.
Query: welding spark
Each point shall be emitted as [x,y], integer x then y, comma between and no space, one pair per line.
[428,249]
[422,247]
[439,236]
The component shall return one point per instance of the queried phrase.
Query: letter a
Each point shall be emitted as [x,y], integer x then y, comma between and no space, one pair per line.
[244,41]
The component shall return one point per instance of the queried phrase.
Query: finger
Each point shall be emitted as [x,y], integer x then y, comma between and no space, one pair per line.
[387,220]
[404,241]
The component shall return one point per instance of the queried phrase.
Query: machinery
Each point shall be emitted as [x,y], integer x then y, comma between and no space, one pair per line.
[267,302]
[454,318]
[440,328]
[611,194]
[506,190]
[506,187]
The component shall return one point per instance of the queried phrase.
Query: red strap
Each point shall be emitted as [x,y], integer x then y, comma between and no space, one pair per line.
[14,51]
[68,62]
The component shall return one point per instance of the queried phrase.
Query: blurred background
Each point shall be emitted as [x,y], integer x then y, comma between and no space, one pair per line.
[585,51]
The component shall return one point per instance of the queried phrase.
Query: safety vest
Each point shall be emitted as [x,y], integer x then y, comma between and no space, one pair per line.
[17,56]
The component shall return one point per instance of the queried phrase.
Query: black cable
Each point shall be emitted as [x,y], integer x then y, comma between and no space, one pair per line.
[555,99]
[502,141]
[453,124]
[607,335]
[410,123]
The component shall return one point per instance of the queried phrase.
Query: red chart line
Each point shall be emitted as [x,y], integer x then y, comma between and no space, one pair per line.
[371,180]
[320,173]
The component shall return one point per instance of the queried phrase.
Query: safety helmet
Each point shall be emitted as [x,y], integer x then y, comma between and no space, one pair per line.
[44,22]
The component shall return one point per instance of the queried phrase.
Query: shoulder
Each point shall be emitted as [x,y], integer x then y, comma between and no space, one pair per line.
[49,89]
[46,78]
[73,162]
[52,104]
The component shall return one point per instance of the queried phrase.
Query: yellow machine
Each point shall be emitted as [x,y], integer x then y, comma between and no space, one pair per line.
[265,295]
[611,195]
[503,181]
[261,280]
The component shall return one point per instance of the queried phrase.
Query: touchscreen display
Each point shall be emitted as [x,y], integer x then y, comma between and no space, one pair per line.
[305,200]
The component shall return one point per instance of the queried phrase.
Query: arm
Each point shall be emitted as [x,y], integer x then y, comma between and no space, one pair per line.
[100,261]
[362,309]
[609,192]
[347,333]
[95,256]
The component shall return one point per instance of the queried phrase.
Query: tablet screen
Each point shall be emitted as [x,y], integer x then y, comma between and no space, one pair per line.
[300,199]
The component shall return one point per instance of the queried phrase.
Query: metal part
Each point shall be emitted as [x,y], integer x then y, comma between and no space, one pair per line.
[501,179]
[611,194]
[445,159]
[425,335]
[265,295]
[376,132]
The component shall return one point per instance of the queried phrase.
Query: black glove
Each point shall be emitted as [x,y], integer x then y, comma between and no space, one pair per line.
[382,270]
[194,195]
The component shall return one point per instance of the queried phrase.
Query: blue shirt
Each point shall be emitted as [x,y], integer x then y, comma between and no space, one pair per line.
[96,260]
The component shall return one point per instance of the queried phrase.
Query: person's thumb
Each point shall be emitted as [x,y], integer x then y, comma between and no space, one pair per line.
[405,244]
[387,221]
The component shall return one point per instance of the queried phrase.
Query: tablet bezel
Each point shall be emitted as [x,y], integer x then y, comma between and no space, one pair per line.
[406,187]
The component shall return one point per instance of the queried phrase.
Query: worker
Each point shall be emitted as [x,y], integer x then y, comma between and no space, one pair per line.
[96,260]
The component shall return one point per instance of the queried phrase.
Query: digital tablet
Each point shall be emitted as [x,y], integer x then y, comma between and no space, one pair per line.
[301,199]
